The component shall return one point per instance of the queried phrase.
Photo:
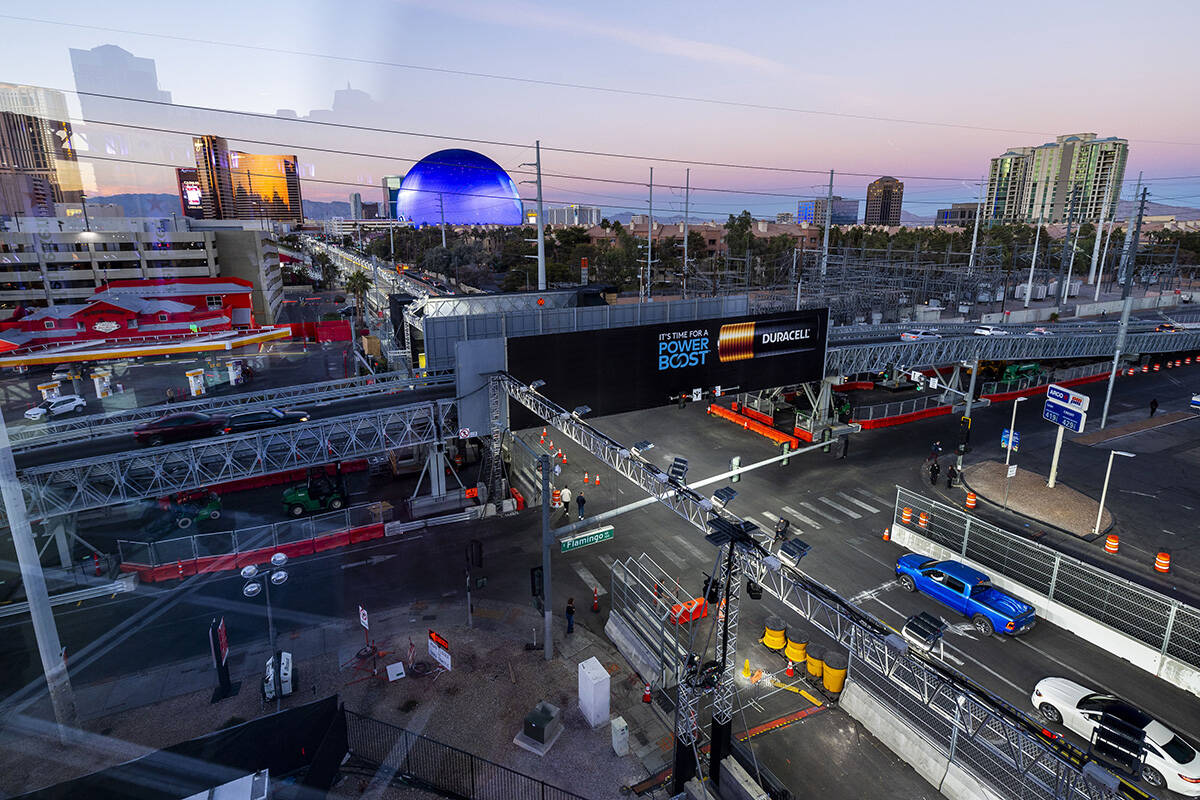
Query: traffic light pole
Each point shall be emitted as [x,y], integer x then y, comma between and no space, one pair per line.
[547,540]
[958,465]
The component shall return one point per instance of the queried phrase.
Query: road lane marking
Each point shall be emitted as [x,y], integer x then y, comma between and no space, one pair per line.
[608,561]
[770,516]
[860,503]
[1140,494]
[871,496]
[589,579]
[691,548]
[793,512]
[816,510]
[870,594]
[674,559]
[756,522]
[849,513]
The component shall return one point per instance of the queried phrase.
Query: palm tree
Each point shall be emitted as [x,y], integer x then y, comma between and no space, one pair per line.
[358,284]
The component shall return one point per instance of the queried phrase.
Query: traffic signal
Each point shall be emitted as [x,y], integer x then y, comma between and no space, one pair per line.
[964,435]
[535,581]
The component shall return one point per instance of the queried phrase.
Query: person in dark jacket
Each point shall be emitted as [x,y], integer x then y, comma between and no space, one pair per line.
[570,615]
[579,501]
[951,477]
[934,470]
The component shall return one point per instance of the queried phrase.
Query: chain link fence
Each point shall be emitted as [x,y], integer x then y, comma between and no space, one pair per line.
[184,548]
[1161,622]
[423,762]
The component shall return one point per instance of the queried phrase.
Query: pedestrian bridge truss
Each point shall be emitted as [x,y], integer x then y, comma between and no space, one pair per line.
[855,359]
[88,483]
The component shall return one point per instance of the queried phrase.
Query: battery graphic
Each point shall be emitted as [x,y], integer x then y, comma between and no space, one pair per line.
[739,341]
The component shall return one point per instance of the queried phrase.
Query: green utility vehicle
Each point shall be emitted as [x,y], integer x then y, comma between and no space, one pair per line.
[321,492]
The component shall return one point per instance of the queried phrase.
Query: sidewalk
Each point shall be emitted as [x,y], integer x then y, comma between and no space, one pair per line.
[1026,494]
[479,706]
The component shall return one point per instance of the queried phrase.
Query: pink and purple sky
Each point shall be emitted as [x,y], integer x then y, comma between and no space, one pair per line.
[987,77]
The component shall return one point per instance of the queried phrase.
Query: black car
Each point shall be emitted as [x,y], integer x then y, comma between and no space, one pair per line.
[264,418]
[179,427]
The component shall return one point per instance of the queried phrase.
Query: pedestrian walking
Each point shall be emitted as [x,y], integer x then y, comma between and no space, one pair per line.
[579,501]
[565,494]
[557,469]
[934,469]
[935,450]
[951,477]
[781,529]
[570,615]
[1153,406]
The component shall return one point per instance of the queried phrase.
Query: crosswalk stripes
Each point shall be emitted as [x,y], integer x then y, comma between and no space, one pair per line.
[797,515]
[848,512]
[816,510]
[588,578]
[691,548]
[608,561]
[756,522]
[870,509]
[873,496]
[672,557]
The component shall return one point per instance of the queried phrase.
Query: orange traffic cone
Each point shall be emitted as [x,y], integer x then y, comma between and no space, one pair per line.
[595,598]
[791,672]
[585,478]
[597,479]
[887,534]
[646,698]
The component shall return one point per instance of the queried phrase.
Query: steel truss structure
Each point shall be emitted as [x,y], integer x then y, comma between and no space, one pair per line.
[861,358]
[97,425]
[88,483]
[998,744]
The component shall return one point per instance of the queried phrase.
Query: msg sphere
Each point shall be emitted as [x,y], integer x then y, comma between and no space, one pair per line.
[470,187]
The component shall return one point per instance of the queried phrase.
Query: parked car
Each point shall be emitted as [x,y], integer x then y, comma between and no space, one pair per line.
[347,310]
[1171,761]
[320,492]
[179,427]
[915,335]
[990,330]
[264,418]
[967,591]
[62,372]
[1039,332]
[56,408]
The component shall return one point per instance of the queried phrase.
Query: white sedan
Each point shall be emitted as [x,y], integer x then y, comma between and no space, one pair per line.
[916,335]
[1170,761]
[54,408]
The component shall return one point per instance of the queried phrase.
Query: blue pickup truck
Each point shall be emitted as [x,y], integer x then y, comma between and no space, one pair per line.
[967,591]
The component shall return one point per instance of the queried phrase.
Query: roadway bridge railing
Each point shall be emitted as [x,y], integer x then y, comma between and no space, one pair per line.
[69,486]
[854,359]
[116,422]
[1169,627]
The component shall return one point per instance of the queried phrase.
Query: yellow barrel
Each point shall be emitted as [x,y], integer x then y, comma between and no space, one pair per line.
[797,643]
[815,661]
[775,635]
[834,676]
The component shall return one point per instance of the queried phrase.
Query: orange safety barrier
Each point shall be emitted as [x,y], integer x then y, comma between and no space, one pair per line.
[778,437]
[518,497]
[1111,543]
[972,500]
[1156,366]
[885,422]
[689,611]
[906,516]
[1179,362]
[1162,562]
[366,533]
[1145,367]
[923,521]
[330,542]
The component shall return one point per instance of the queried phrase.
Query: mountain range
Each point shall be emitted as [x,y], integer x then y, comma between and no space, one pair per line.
[164,205]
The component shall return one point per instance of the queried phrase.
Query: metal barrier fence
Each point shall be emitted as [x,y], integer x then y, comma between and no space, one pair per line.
[989,739]
[643,594]
[448,770]
[184,548]
[1143,614]
[883,410]
[1046,378]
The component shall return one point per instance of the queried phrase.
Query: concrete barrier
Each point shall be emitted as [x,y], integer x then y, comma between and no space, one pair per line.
[918,752]
[1161,665]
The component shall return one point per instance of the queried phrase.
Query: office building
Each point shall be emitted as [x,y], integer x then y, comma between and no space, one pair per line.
[356,206]
[391,190]
[785,218]
[845,212]
[236,185]
[884,197]
[1070,176]
[38,166]
[572,215]
[960,215]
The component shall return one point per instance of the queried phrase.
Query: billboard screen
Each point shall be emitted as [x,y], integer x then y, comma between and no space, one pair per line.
[624,369]
[190,196]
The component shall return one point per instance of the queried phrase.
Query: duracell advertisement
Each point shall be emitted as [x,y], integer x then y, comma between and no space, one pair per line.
[624,369]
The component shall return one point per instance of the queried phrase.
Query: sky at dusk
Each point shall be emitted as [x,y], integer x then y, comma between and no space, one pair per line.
[860,87]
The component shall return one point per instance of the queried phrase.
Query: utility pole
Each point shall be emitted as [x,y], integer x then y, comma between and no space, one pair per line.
[645,294]
[547,598]
[1037,237]
[687,188]
[975,233]
[1126,306]
[1104,257]
[1121,265]
[541,225]
[1062,264]
[1099,230]
[62,698]
[828,225]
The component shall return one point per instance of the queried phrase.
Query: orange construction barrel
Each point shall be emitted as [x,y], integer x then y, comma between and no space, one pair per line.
[834,675]
[1111,542]
[1156,366]
[1162,562]
[815,660]
[906,516]
[923,520]
[1145,367]
[972,499]
[556,499]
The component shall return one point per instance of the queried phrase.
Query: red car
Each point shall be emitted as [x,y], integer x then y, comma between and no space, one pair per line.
[179,427]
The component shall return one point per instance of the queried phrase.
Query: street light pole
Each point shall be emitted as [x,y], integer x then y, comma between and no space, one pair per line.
[1037,237]
[547,599]
[1104,491]
[1012,429]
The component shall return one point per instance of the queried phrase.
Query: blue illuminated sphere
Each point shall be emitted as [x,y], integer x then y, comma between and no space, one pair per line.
[473,189]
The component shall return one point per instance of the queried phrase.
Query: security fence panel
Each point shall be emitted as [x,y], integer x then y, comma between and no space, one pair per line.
[1184,642]
[1008,555]
[286,532]
[1128,608]
[330,522]
[215,544]
[139,553]
[169,550]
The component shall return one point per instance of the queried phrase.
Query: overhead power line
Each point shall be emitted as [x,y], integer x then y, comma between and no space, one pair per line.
[614,90]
